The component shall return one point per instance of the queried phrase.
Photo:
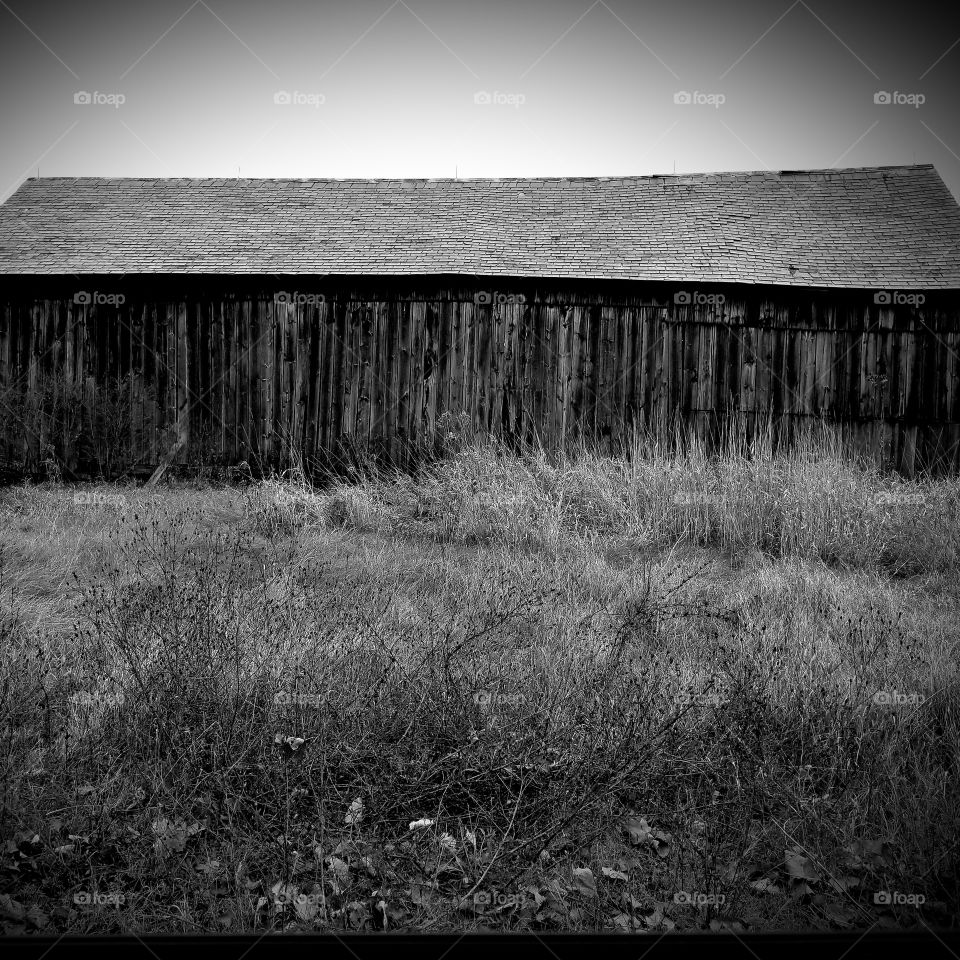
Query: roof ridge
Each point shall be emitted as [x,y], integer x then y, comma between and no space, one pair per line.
[791,172]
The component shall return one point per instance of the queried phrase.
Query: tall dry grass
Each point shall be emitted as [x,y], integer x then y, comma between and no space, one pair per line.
[816,500]
[727,674]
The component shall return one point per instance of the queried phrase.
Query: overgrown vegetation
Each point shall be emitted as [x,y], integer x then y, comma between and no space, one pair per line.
[63,425]
[660,690]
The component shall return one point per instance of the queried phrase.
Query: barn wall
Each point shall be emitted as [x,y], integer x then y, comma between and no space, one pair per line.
[240,373]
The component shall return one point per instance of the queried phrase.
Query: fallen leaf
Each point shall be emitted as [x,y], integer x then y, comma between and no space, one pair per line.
[538,898]
[10,908]
[765,885]
[355,812]
[642,834]
[638,830]
[584,882]
[611,874]
[633,903]
[662,842]
[654,918]
[448,843]
[868,853]
[172,835]
[843,884]
[841,915]
[799,866]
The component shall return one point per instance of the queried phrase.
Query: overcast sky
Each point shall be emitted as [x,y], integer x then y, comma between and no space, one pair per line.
[438,88]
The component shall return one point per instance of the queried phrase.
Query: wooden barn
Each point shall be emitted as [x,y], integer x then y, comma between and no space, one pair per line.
[219,321]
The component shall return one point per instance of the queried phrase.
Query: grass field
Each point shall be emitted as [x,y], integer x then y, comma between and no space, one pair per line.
[642,692]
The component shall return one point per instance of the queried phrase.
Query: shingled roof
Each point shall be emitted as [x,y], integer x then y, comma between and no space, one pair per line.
[871,227]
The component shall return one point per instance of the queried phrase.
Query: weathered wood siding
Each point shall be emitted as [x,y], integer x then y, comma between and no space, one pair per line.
[242,374]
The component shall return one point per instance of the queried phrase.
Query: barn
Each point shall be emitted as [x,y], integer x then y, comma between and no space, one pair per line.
[226,320]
